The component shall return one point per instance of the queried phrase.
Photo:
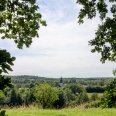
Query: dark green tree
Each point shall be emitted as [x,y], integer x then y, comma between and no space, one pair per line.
[5,82]
[82,98]
[20,21]
[68,96]
[27,99]
[109,97]
[13,98]
[5,61]
[19,99]
[60,102]
[2,113]
[26,96]
[76,88]
[105,36]
[32,95]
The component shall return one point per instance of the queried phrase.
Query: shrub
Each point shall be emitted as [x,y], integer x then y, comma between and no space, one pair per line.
[93,104]
[2,113]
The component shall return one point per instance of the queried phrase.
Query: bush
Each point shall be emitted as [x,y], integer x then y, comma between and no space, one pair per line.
[109,97]
[82,98]
[94,104]
[94,96]
[2,113]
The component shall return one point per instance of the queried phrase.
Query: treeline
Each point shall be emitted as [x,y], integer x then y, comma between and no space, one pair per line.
[95,89]
[26,80]
[91,84]
[47,92]
[46,96]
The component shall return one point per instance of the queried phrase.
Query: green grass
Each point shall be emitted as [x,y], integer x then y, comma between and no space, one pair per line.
[99,94]
[62,112]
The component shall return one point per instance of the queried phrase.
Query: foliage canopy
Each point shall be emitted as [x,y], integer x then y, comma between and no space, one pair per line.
[105,36]
[46,95]
[109,99]
[5,61]
[20,21]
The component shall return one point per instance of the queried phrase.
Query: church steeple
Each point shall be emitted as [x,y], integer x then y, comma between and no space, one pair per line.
[61,82]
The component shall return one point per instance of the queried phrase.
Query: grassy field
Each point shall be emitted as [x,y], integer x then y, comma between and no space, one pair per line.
[62,112]
[99,94]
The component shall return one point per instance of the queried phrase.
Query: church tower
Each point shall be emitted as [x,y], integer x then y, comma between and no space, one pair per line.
[61,82]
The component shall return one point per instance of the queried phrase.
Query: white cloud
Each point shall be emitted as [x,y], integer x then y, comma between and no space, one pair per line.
[62,48]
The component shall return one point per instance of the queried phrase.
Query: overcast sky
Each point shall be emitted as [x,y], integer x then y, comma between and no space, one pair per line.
[62,47]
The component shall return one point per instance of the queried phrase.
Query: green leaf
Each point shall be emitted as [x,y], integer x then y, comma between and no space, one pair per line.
[6,61]
[104,41]
[1,93]
[13,58]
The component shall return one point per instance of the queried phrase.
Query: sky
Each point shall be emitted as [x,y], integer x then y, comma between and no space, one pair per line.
[62,47]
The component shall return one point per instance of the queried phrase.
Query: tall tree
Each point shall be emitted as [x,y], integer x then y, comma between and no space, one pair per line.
[20,21]
[105,36]
[76,88]
[13,97]
[60,102]
[46,95]
[109,97]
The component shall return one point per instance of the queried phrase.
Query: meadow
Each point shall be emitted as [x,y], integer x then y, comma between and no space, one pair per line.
[62,112]
[99,94]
